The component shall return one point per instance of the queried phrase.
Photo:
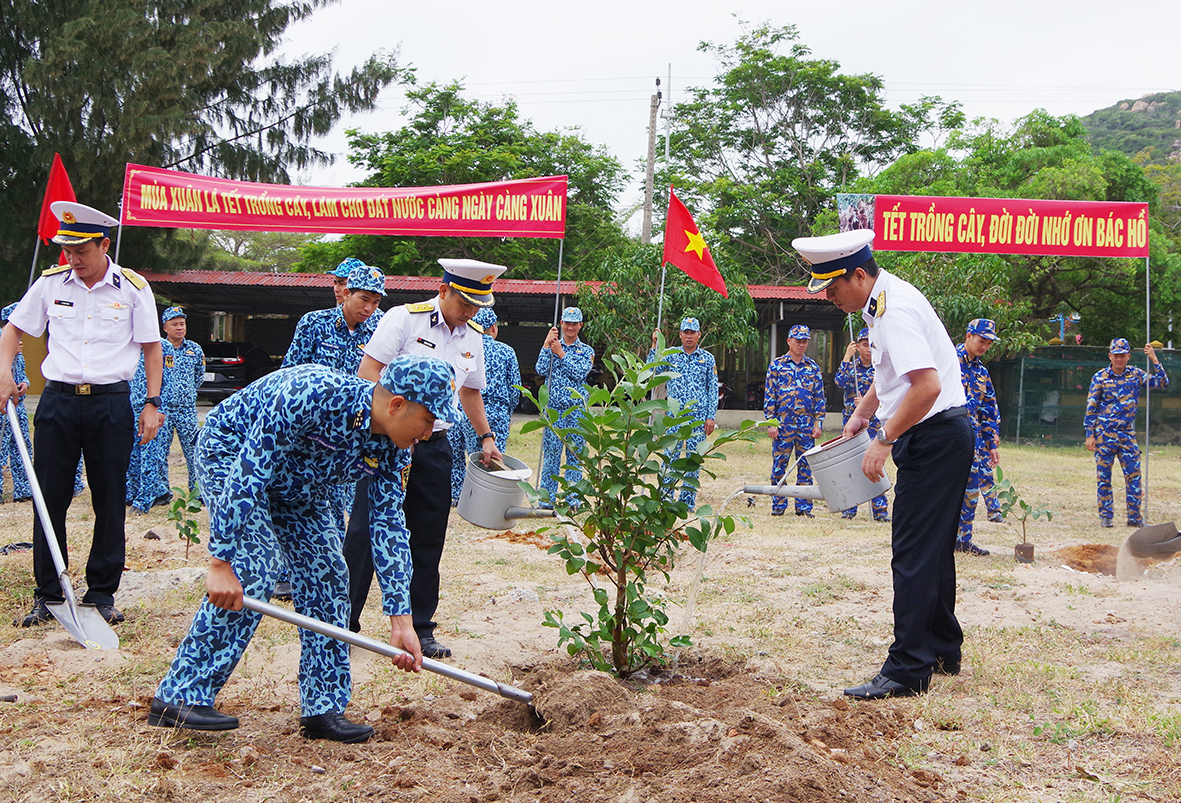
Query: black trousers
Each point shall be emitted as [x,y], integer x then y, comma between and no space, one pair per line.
[427,507]
[933,462]
[102,430]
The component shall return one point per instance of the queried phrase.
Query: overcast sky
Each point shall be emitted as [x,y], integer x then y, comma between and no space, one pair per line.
[591,65]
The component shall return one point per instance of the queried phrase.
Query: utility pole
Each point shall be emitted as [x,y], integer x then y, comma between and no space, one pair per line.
[646,232]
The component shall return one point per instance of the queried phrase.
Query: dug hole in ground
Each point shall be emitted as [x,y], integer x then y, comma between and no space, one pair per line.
[1069,689]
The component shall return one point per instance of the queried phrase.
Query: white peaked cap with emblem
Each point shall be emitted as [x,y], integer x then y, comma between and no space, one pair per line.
[78,223]
[472,278]
[834,255]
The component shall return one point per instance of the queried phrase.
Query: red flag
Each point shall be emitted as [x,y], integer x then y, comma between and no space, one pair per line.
[59,189]
[685,248]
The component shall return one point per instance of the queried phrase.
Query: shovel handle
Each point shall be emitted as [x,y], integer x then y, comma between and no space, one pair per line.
[42,511]
[388,650]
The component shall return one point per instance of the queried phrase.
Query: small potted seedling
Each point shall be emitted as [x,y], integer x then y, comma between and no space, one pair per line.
[1022,511]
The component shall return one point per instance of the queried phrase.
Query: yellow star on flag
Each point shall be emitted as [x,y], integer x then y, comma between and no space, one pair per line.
[696,243]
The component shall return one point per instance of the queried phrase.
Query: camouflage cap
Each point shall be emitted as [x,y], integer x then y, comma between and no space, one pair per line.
[572,315]
[366,277]
[485,317]
[799,332]
[690,325]
[172,312]
[983,327]
[423,380]
[343,270]
[1120,346]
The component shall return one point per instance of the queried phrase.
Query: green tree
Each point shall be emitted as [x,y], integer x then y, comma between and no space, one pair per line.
[274,251]
[765,149]
[622,310]
[188,84]
[452,140]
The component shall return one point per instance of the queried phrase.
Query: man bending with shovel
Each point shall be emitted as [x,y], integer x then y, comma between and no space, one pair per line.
[267,458]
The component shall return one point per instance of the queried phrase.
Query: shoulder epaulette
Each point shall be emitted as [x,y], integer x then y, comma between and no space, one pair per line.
[56,269]
[476,326]
[422,306]
[139,281]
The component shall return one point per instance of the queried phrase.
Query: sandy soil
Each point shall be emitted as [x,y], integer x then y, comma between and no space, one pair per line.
[1070,689]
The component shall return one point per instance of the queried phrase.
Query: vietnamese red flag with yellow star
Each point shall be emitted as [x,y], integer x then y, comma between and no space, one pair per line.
[58,189]
[685,248]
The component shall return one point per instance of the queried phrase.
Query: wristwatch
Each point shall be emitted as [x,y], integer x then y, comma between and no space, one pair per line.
[882,437]
[486,435]
[155,401]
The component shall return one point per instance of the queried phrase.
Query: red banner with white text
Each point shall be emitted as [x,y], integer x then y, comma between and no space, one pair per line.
[999,225]
[533,207]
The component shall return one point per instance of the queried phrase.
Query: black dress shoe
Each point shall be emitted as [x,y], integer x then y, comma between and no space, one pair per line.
[335,727]
[883,519]
[38,616]
[110,613]
[776,512]
[162,499]
[433,649]
[805,513]
[193,717]
[879,688]
[282,591]
[946,665]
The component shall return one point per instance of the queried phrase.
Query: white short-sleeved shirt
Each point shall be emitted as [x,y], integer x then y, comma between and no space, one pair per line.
[905,335]
[95,333]
[421,329]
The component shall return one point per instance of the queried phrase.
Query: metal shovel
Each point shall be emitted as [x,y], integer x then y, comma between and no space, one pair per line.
[82,620]
[388,650]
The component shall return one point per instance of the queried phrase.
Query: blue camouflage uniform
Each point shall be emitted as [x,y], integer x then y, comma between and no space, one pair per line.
[503,374]
[322,337]
[1110,418]
[697,383]
[985,416]
[267,458]
[9,456]
[794,396]
[185,368]
[147,475]
[566,377]
[854,380]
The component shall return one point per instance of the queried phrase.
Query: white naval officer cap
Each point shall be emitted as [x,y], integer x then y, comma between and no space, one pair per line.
[834,255]
[472,279]
[78,223]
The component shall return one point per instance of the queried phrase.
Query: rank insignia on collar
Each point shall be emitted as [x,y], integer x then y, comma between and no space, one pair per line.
[877,306]
[358,420]
[435,318]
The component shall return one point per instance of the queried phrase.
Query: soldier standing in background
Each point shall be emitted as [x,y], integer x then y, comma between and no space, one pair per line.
[184,367]
[795,396]
[985,416]
[1110,425]
[567,362]
[854,377]
[503,374]
[697,383]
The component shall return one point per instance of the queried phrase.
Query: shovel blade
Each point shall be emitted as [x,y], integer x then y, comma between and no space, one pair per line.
[85,624]
[1155,541]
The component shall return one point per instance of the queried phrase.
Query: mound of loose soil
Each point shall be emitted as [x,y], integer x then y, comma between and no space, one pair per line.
[1093,558]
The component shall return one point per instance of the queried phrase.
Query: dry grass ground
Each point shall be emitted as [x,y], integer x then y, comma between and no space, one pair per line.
[1070,689]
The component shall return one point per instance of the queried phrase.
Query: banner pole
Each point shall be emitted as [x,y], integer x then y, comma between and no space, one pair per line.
[549,369]
[1147,388]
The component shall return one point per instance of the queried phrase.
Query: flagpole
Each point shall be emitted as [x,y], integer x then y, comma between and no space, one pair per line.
[33,267]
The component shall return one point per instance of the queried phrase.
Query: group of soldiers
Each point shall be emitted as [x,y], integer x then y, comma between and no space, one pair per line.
[795,397]
[307,473]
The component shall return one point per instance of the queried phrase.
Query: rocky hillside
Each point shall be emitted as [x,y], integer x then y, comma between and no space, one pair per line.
[1152,122]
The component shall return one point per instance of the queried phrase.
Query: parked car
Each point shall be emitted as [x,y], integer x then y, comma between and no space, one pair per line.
[229,367]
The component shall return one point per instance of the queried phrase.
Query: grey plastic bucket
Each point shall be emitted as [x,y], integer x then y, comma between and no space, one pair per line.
[486,499]
[836,470]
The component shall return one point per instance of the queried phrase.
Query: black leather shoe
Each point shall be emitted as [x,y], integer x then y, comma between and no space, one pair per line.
[879,688]
[433,649]
[335,727]
[883,519]
[1136,524]
[110,613]
[969,548]
[848,515]
[162,499]
[776,512]
[946,665]
[38,616]
[193,717]
[805,514]
[282,590]
[1105,523]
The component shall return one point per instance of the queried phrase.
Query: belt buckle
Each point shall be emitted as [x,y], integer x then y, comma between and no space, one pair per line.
[82,390]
